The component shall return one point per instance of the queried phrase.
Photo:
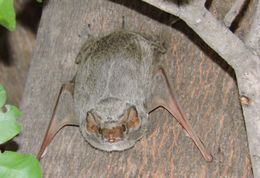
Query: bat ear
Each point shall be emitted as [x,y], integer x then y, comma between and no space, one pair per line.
[162,96]
[133,121]
[62,115]
[92,125]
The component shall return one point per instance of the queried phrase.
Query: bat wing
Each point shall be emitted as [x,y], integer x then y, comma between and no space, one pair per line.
[63,115]
[162,96]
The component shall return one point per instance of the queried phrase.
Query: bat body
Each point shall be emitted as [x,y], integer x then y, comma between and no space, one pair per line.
[116,86]
[113,78]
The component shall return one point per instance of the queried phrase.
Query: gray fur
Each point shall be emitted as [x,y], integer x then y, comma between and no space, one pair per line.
[115,72]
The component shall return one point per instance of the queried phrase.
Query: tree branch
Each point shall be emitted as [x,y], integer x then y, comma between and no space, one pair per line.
[214,33]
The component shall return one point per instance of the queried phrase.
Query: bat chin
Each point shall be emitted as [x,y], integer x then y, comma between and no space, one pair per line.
[111,147]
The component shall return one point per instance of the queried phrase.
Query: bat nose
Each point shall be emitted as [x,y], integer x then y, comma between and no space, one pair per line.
[111,139]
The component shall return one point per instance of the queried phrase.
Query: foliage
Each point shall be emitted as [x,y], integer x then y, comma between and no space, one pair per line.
[12,164]
[7,14]
[8,125]
[16,165]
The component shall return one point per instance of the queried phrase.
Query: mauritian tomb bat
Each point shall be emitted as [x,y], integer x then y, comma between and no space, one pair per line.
[116,86]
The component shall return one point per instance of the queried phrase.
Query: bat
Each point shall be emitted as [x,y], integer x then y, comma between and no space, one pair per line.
[117,85]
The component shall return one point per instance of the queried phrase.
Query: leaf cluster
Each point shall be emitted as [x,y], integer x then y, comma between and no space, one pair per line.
[12,164]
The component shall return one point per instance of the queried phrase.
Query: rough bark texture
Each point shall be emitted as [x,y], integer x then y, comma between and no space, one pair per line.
[205,87]
[236,53]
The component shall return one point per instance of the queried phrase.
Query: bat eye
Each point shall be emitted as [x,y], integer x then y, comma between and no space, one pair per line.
[100,131]
[124,128]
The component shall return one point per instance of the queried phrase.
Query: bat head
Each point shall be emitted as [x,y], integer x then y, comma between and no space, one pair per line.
[113,134]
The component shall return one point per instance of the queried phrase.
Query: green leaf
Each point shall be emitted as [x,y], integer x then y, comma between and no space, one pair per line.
[7,14]
[39,1]
[2,96]
[14,165]
[8,125]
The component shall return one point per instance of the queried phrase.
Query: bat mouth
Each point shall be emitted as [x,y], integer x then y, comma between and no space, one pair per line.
[113,134]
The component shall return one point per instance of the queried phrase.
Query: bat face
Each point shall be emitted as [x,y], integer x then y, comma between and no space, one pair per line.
[113,135]
[110,90]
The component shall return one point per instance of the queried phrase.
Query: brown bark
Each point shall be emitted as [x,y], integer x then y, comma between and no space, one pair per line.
[236,53]
[204,85]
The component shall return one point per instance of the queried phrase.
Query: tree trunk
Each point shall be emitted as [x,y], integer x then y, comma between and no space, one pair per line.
[204,83]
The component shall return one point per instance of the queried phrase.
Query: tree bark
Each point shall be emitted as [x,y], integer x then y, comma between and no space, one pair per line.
[244,61]
[204,86]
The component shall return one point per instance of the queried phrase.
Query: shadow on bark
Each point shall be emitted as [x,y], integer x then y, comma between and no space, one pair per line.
[5,56]
[235,24]
[30,15]
[9,146]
